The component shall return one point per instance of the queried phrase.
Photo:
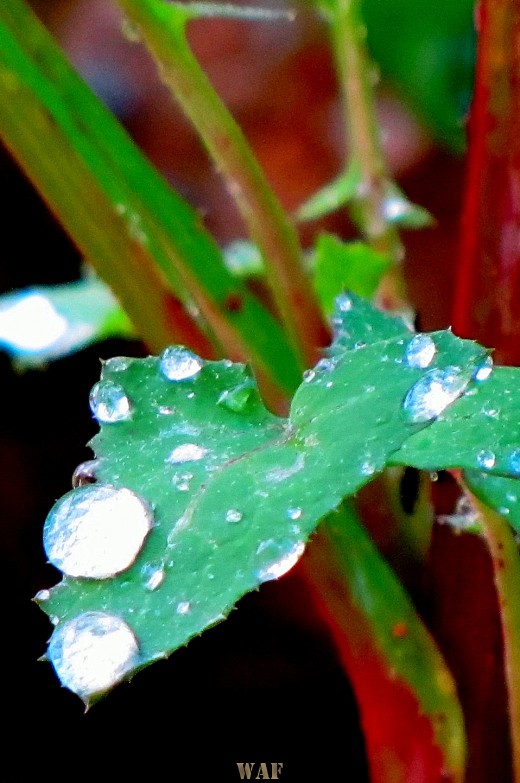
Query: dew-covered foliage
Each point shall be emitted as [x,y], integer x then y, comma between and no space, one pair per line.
[198,494]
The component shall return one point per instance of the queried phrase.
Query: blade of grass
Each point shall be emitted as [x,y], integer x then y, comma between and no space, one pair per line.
[163,28]
[145,241]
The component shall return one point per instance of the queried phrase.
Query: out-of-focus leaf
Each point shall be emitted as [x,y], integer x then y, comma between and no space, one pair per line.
[332,196]
[502,494]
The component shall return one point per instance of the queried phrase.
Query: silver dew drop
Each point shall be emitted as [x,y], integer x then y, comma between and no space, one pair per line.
[179,364]
[187,452]
[276,557]
[294,513]
[96,531]
[420,351]
[184,607]
[234,515]
[514,462]
[85,473]
[486,459]
[485,370]
[93,652]
[432,394]
[109,403]
[153,575]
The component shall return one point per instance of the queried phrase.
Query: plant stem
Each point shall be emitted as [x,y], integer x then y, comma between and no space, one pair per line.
[164,31]
[356,73]
[506,569]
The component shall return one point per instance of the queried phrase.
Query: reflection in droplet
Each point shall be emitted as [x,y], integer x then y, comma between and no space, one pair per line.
[420,351]
[432,394]
[85,473]
[109,403]
[96,531]
[186,452]
[93,652]
[276,557]
[179,364]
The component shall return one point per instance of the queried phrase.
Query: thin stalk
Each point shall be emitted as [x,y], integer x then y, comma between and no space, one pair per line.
[163,28]
[348,34]
[506,570]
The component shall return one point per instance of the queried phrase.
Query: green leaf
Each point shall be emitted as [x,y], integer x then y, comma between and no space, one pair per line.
[338,193]
[357,323]
[402,212]
[234,491]
[480,432]
[339,265]
[502,494]
[40,324]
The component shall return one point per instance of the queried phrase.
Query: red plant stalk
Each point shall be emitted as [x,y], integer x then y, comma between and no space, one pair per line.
[487,301]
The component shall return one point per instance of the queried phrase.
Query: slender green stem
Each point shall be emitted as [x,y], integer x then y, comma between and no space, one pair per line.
[506,570]
[163,28]
[348,34]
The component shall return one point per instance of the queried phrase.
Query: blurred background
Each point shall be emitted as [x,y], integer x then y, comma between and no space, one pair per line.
[264,685]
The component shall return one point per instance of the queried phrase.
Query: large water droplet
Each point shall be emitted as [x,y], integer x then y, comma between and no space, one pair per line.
[153,575]
[486,459]
[276,557]
[485,369]
[186,452]
[179,364]
[433,393]
[86,473]
[420,351]
[236,399]
[109,402]
[96,531]
[93,652]
[234,515]
[514,462]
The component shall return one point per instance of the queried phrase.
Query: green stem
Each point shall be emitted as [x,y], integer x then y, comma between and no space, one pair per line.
[506,570]
[348,34]
[163,28]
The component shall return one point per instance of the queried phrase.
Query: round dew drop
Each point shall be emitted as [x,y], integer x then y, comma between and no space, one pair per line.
[85,473]
[109,403]
[277,557]
[234,515]
[179,364]
[93,652]
[96,531]
[486,459]
[485,370]
[420,351]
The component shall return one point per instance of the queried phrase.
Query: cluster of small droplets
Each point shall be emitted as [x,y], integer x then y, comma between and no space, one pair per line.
[179,364]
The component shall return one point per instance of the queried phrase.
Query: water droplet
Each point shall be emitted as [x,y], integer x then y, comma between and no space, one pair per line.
[514,462]
[485,369]
[234,515]
[184,607]
[93,652]
[432,393]
[109,403]
[117,363]
[491,412]
[359,344]
[86,473]
[511,497]
[182,481]
[308,376]
[236,399]
[166,410]
[344,303]
[187,452]
[96,531]
[153,575]
[179,364]
[420,351]
[486,458]
[277,557]
[367,468]
[281,474]
[42,595]
[294,513]
[325,365]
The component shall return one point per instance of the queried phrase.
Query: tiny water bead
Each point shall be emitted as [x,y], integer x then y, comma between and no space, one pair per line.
[187,452]
[294,513]
[276,557]
[432,394]
[96,531]
[420,351]
[153,575]
[234,515]
[93,652]
[486,459]
[109,403]
[514,462]
[344,303]
[117,363]
[309,376]
[184,607]
[179,364]
[85,473]
[485,370]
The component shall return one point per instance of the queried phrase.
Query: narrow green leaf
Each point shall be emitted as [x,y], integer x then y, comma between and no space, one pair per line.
[40,324]
[400,211]
[353,266]
[338,193]
[234,492]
